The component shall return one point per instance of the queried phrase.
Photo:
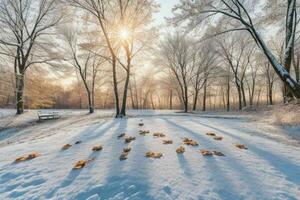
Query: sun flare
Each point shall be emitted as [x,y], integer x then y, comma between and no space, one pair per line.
[124,34]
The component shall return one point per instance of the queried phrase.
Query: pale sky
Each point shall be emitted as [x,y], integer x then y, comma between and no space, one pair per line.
[165,10]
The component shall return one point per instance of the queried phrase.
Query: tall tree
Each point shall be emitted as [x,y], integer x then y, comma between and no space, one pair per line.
[236,11]
[23,24]
[177,54]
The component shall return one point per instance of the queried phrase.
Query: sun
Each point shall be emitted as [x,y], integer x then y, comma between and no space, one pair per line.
[124,34]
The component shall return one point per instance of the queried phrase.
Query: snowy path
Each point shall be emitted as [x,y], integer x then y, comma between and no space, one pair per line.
[267,170]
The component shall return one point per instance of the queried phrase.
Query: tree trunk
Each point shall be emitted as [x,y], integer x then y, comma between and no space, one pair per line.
[228,95]
[20,93]
[123,110]
[279,69]
[186,98]
[195,99]
[204,96]
[271,94]
[115,83]
[244,95]
[171,100]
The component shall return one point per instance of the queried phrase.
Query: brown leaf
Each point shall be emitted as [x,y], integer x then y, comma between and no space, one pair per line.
[27,157]
[66,146]
[129,139]
[206,152]
[211,134]
[159,135]
[97,148]
[241,146]
[82,163]
[180,149]
[218,138]
[218,153]
[144,132]
[151,154]
[191,142]
[127,150]
[167,142]
[123,156]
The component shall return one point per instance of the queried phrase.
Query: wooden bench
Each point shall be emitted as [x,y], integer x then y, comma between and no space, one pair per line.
[48,115]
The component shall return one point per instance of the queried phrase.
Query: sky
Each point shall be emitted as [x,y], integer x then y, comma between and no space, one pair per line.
[165,10]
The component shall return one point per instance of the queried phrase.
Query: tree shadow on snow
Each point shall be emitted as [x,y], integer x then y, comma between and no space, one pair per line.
[221,182]
[289,169]
[120,182]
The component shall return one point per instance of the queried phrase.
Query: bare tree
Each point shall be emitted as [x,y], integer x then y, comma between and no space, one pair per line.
[22,25]
[204,62]
[83,58]
[236,54]
[236,11]
[176,53]
[119,21]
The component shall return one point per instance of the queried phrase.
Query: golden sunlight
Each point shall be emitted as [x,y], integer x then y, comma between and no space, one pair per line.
[124,34]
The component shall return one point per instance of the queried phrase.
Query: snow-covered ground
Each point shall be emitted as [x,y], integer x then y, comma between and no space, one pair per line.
[268,169]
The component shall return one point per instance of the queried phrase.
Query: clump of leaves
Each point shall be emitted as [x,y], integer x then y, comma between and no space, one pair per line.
[167,142]
[144,132]
[180,149]
[126,150]
[97,148]
[218,153]
[191,142]
[82,163]
[206,152]
[211,134]
[218,138]
[66,146]
[27,157]
[151,154]
[129,139]
[241,146]
[159,134]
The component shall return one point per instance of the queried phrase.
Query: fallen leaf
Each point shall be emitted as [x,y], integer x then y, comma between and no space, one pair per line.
[218,153]
[241,146]
[121,135]
[97,148]
[206,152]
[123,156]
[218,138]
[180,149]
[151,154]
[66,146]
[167,142]
[211,134]
[144,132]
[126,150]
[129,139]
[78,142]
[191,142]
[27,157]
[159,135]
[82,163]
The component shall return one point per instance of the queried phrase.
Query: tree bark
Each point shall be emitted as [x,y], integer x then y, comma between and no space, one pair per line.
[20,93]
[228,94]
[279,69]
[204,95]
[195,99]
[115,83]
[123,110]
[171,100]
